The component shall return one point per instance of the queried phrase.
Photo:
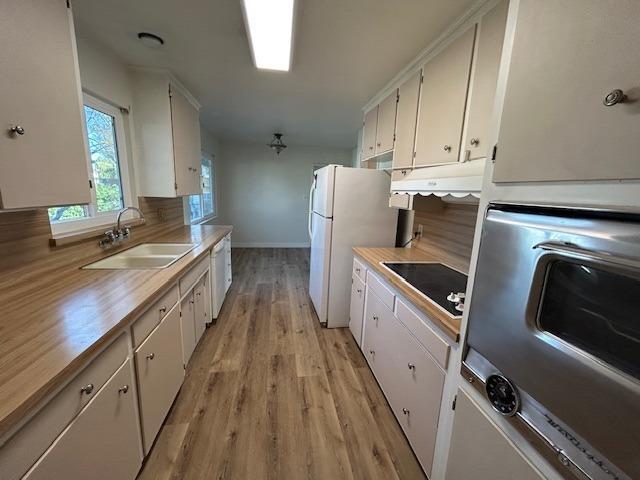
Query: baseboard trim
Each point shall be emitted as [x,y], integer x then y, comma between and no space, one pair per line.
[268,245]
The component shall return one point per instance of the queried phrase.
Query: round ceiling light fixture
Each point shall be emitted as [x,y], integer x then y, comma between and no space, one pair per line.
[150,40]
[277,144]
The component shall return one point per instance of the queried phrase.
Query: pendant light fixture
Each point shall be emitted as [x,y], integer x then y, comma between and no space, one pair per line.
[277,144]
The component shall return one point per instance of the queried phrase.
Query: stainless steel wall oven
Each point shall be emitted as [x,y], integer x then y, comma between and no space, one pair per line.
[554,333]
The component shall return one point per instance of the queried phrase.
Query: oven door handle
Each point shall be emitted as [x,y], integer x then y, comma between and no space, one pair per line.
[568,248]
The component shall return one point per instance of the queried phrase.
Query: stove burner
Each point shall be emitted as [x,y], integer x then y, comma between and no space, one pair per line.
[434,280]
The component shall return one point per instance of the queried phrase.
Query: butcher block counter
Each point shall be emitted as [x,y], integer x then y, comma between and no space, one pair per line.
[56,316]
[374,258]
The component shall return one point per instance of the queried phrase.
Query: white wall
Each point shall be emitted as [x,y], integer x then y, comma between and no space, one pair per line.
[265,197]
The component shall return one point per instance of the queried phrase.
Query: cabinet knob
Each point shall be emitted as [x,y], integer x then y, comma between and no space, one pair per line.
[379,144]
[614,97]
[405,411]
[124,389]
[372,352]
[475,142]
[17,130]
[370,148]
[447,148]
[375,317]
[359,290]
[357,270]
[403,172]
[87,389]
[151,356]
[411,366]
[163,309]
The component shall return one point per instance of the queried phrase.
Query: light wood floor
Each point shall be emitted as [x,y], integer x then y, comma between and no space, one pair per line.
[269,394]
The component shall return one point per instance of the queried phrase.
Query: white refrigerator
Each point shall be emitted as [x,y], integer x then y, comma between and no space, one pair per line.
[348,207]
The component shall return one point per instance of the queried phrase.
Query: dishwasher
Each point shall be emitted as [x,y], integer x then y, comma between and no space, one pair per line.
[219,278]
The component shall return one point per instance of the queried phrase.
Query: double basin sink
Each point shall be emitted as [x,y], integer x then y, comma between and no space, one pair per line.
[144,256]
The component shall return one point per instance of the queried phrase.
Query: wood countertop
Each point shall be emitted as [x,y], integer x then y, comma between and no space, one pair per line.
[373,256]
[55,317]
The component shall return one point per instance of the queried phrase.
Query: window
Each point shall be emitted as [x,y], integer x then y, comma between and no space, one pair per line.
[107,171]
[202,206]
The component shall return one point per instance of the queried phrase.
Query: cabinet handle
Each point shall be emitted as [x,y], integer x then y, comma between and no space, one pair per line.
[87,389]
[370,148]
[375,317]
[357,270]
[151,356]
[405,411]
[17,130]
[411,366]
[403,172]
[359,290]
[614,97]
[372,352]
[123,389]
[379,144]
[475,142]
[447,148]
[163,309]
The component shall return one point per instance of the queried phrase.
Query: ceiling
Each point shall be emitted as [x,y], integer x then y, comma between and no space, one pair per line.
[345,51]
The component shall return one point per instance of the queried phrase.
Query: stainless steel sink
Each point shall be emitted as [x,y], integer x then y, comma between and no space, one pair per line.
[144,256]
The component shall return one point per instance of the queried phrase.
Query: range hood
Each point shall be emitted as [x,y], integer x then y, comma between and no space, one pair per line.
[455,180]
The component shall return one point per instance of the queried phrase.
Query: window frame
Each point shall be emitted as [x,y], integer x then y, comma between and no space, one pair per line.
[214,196]
[97,219]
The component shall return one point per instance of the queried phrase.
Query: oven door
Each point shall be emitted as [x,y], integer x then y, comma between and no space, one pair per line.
[556,309]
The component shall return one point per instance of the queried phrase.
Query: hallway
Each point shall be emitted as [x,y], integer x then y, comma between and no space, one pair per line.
[269,394]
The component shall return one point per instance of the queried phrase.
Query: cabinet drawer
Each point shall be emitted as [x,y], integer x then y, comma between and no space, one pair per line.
[102,443]
[359,270]
[377,323]
[384,294]
[417,392]
[189,279]
[356,310]
[426,335]
[151,318]
[160,373]
[29,443]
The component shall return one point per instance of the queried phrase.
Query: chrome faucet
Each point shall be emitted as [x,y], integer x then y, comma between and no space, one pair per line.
[119,233]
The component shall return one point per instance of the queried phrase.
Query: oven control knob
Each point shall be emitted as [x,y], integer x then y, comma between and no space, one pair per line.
[503,395]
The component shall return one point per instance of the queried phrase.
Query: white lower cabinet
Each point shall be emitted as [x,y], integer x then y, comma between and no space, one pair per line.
[408,373]
[356,310]
[477,442]
[159,365]
[102,441]
[187,327]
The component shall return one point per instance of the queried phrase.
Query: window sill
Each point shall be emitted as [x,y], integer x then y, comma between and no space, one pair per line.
[60,239]
[204,220]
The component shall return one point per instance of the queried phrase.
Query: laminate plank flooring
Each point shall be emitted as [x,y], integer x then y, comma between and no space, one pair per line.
[269,394]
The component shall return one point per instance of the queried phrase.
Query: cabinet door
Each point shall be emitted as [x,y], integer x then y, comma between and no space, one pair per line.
[419,383]
[102,442]
[485,79]
[185,126]
[555,125]
[356,310]
[160,373]
[442,102]
[374,343]
[188,326]
[386,129]
[46,165]
[200,314]
[479,449]
[408,96]
[369,133]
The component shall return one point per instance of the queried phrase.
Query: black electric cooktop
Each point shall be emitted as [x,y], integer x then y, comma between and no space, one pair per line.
[434,280]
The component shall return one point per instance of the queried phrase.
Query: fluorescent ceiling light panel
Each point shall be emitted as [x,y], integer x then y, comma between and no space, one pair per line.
[270,28]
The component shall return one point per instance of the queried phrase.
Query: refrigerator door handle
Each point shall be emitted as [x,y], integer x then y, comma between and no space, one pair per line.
[309,222]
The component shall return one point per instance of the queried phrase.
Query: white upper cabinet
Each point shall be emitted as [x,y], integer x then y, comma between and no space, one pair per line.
[167,130]
[369,133]
[408,95]
[563,118]
[442,102]
[484,81]
[386,129]
[42,148]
